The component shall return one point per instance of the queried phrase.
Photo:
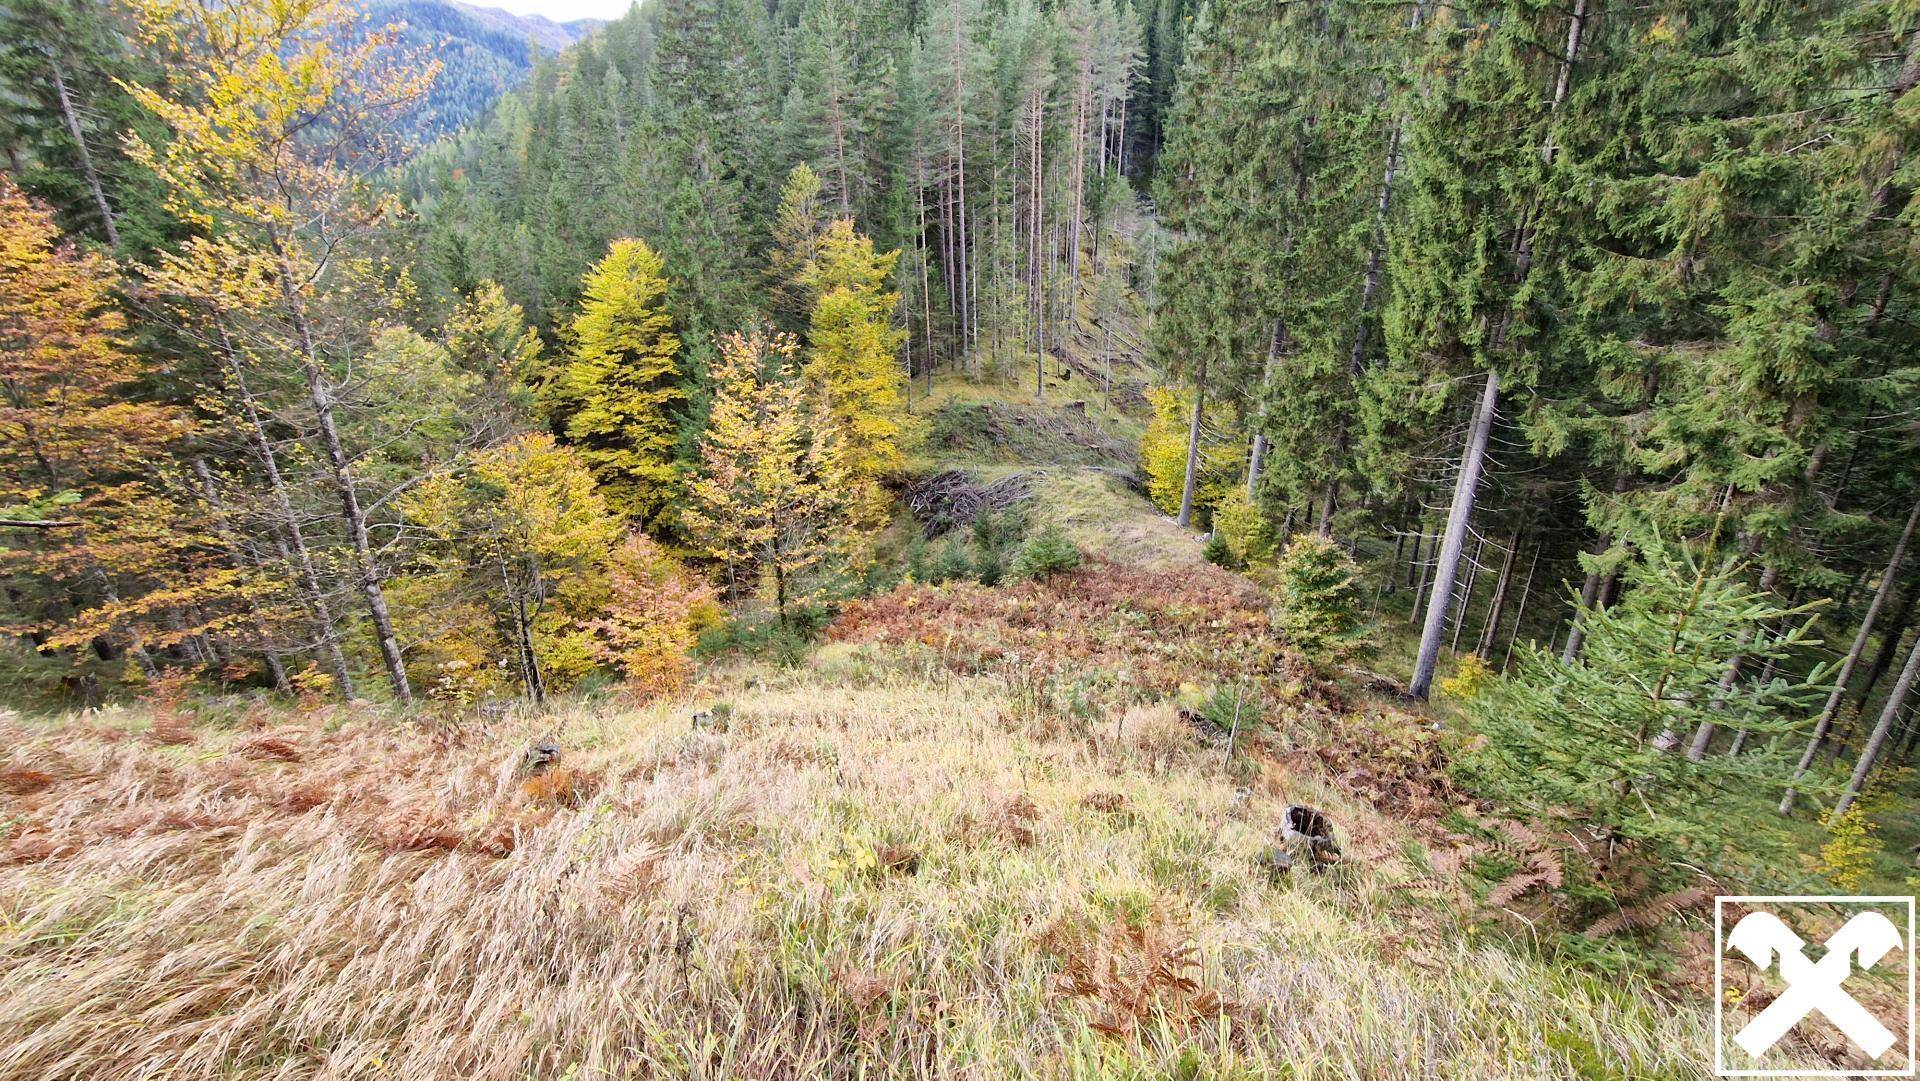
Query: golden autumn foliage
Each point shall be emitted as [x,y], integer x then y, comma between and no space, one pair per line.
[514,557]
[80,444]
[852,367]
[766,502]
[613,396]
[654,614]
[1163,454]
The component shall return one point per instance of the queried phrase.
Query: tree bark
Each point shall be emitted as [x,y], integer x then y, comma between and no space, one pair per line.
[1889,648]
[1520,610]
[1258,458]
[328,632]
[72,117]
[224,528]
[1825,720]
[1193,444]
[321,397]
[1895,702]
[1466,595]
[1459,515]
[1490,632]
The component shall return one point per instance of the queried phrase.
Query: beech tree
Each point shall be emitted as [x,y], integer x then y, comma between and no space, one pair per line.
[272,131]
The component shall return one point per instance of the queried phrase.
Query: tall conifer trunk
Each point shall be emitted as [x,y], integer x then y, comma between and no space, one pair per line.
[1193,443]
[1496,608]
[1871,753]
[84,155]
[1466,487]
[1825,720]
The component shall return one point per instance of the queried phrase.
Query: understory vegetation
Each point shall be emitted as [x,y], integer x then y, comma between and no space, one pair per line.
[854,538]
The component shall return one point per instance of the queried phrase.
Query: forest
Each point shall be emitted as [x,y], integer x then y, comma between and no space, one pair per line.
[1486,420]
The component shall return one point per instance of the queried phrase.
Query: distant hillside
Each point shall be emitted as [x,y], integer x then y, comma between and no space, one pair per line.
[484,52]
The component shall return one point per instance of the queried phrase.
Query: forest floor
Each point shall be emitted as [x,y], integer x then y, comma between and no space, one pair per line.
[974,834]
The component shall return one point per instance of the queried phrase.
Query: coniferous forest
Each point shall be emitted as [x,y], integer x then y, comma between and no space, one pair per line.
[1094,538]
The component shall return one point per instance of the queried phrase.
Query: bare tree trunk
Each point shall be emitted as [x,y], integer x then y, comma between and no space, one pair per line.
[1258,457]
[321,397]
[1459,514]
[328,633]
[224,529]
[1889,648]
[1520,610]
[1871,752]
[926,285]
[1193,443]
[1490,632]
[1590,592]
[1466,596]
[72,117]
[1426,571]
[1825,720]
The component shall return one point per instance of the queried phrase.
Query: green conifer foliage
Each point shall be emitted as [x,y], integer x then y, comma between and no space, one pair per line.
[1321,611]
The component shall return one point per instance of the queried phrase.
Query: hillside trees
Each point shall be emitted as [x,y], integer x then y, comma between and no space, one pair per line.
[280,210]
[92,540]
[765,501]
[512,559]
[612,396]
[852,368]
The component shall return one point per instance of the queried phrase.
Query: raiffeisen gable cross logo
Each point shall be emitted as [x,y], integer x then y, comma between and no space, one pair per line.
[1851,993]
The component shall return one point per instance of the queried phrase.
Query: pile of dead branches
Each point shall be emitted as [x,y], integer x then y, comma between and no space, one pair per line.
[951,499]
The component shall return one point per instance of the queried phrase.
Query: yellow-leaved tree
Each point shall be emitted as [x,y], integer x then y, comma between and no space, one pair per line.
[766,504]
[655,611]
[797,227]
[1163,453]
[278,115]
[613,396]
[95,547]
[513,558]
[852,369]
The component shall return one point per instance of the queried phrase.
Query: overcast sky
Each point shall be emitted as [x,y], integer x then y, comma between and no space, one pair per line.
[562,10]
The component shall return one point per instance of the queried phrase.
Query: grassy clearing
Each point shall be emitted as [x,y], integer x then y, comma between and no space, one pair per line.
[869,872]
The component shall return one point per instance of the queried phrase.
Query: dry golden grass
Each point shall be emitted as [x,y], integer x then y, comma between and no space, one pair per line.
[866,875]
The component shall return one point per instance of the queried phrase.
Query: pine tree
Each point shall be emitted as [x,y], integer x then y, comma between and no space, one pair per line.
[613,396]
[1600,734]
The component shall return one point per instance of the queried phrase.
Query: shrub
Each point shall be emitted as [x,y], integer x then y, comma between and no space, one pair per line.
[1047,552]
[1321,613]
[1219,554]
[953,564]
[1244,530]
[654,618]
[1469,678]
[1847,857]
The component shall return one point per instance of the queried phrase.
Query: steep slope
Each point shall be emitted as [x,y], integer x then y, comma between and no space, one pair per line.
[868,866]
